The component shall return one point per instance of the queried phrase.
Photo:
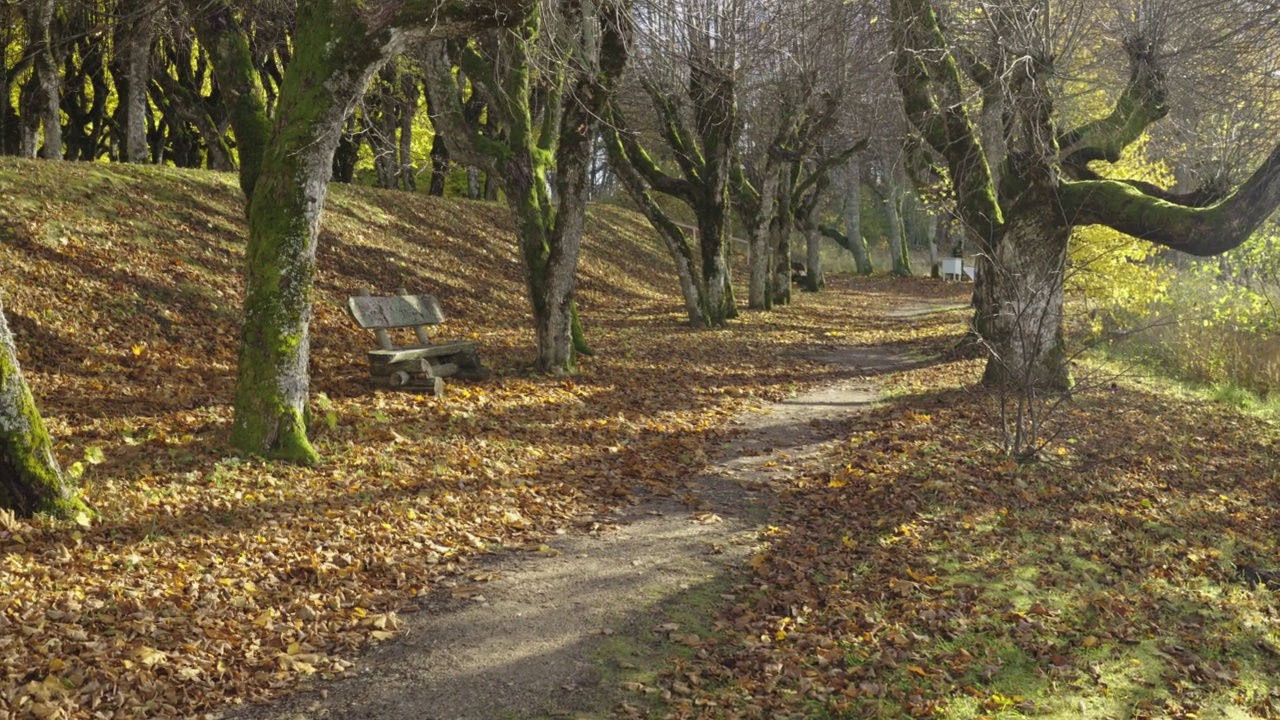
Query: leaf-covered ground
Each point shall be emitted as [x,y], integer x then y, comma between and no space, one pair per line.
[915,572]
[919,574]
[207,579]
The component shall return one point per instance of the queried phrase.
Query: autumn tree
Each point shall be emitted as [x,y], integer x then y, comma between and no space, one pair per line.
[800,70]
[982,86]
[31,480]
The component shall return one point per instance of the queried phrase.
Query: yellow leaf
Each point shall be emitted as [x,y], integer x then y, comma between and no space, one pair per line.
[57,665]
[1089,641]
[917,670]
[150,656]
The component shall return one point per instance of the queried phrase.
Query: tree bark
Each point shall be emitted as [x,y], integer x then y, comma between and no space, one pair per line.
[408,108]
[1020,304]
[759,248]
[44,107]
[678,245]
[134,33]
[853,218]
[703,149]
[549,231]
[898,255]
[30,479]
[814,278]
[780,236]
[239,83]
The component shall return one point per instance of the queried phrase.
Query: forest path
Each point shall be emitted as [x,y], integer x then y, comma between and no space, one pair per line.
[556,632]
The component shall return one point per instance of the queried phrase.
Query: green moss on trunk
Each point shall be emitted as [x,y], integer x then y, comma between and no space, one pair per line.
[333,63]
[30,479]
[238,82]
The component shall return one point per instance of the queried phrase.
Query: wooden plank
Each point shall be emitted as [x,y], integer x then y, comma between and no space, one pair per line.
[395,355]
[384,340]
[418,330]
[395,312]
[418,367]
[431,386]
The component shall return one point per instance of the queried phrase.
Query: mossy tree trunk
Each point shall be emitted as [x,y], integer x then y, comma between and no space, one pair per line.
[30,479]
[339,45]
[1046,187]
[701,133]
[239,83]
[899,253]
[548,121]
[679,246]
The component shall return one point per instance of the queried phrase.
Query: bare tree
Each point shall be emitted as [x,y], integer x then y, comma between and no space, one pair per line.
[803,71]
[686,64]
[545,86]
[985,85]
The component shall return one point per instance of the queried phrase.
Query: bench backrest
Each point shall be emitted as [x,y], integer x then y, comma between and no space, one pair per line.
[398,311]
[401,311]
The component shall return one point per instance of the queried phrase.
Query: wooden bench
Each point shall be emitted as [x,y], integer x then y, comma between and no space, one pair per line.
[420,367]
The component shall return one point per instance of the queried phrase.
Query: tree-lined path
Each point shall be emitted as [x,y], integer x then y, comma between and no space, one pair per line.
[574,626]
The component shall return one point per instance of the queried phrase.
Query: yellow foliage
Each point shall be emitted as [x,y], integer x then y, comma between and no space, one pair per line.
[1112,271]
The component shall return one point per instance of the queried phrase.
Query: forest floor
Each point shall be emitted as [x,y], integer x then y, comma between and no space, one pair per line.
[893,563]
[578,625]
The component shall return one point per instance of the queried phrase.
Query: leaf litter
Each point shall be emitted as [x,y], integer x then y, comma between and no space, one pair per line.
[207,579]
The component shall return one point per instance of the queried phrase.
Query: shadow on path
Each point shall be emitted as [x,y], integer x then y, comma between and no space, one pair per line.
[552,630]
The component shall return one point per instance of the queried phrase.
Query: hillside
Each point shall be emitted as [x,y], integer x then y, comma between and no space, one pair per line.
[209,579]
[910,569]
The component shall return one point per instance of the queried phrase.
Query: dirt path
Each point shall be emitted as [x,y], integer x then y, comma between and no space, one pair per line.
[556,632]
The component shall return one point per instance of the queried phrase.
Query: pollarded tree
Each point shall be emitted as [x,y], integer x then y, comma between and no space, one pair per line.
[800,67]
[545,84]
[1021,183]
[686,65]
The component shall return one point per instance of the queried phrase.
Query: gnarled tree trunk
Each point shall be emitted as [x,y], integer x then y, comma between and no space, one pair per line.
[1020,301]
[549,231]
[30,479]
[41,96]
